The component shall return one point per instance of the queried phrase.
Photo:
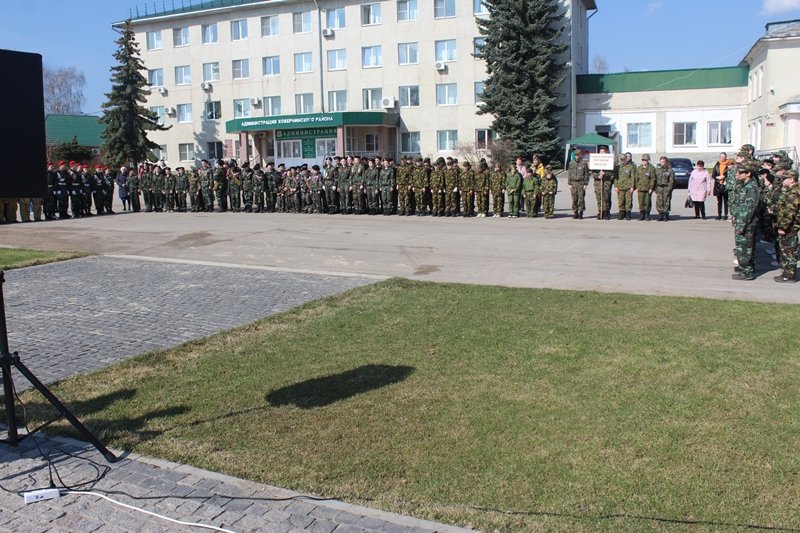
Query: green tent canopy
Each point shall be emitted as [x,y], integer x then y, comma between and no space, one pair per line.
[592,139]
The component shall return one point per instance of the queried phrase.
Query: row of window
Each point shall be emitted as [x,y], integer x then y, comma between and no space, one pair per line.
[371,99]
[371,57]
[446,141]
[370,14]
[640,134]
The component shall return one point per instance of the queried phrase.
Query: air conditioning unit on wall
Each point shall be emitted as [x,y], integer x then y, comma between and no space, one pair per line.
[441,65]
[388,102]
[162,90]
[255,101]
[206,85]
[327,32]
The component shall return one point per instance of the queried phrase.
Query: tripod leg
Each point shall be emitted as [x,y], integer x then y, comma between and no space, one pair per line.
[8,393]
[77,424]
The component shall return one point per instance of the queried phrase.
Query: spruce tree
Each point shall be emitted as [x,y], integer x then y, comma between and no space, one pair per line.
[72,151]
[523,54]
[126,120]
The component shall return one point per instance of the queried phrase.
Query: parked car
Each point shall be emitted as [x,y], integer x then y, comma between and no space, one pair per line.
[683,168]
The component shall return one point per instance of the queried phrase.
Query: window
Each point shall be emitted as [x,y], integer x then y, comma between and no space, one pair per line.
[446,94]
[239,30]
[241,69]
[759,81]
[302,22]
[372,98]
[155,77]
[409,96]
[407,54]
[302,63]
[325,147]
[479,86]
[183,75]
[272,65]
[337,101]
[241,107]
[446,140]
[371,142]
[213,110]
[337,59]
[215,150]
[180,36]
[409,142]
[210,34]
[161,112]
[290,149]
[446,50]
[184,113]
[211,71]
[444,8]
[639,134]
[371,56]
[269,26]
[272,106]
[160,152]
[684,133]
[186,151]
[406,10]
[479,8]
[154,40]
[484,139]
[336,18]
[304,103]
[719,132]
[477,44]
[370,14]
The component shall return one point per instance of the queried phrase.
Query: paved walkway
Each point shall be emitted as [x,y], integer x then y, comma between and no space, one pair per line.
[81,315]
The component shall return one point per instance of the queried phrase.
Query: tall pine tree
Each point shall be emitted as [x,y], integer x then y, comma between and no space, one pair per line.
[523,51]
[127,121]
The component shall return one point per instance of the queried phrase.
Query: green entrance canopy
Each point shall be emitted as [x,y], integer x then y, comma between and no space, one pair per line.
[592,138]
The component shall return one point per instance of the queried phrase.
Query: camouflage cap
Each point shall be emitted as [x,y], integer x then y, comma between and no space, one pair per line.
[781,153]
[791,174]
[750,166]
[645,157]
[782,165]
[748,148]
[743,153]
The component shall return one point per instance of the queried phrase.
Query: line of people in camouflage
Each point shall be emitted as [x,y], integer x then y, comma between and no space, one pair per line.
[347,185]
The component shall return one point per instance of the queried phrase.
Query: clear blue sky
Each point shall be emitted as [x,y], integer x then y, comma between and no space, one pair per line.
[630,34]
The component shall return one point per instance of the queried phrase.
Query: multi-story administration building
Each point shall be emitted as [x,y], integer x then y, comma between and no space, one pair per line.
[296,80]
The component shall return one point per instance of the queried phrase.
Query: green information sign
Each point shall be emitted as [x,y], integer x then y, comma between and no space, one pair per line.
[309,149]
[305,133]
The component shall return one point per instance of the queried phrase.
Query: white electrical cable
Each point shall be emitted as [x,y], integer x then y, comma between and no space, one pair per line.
[191,524]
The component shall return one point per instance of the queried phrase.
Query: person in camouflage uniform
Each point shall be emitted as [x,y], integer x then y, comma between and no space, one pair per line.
[314,183]
[247,187]
[438,188]
[603,181]
[549,191]
[134,188]
[624,179]
[451,188]
[344,186]
[273,185]
[220,185]
[170,199]
[497,183]
[329,172]
[531,188]
[234,187]
[258,189]
[787,224]
[206,182]
[467,187]
[193,180]
[387,183]
[744,206]
[158,189]
[404,187]
[146,183]
[371,175]
[357,182]
[645,183]
[578,180]
[513,188]
[181,189]
[482,189]
[665,183]
[420,182]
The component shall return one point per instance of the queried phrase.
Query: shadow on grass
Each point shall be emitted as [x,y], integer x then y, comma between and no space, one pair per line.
[319,392]
[109,427]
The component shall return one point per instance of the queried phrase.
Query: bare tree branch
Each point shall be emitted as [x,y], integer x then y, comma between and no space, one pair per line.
[63,91]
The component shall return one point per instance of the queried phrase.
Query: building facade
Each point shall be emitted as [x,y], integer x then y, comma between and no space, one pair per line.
[698,113]
[296,80]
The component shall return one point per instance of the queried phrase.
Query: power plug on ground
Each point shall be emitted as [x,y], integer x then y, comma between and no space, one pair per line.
[41,495]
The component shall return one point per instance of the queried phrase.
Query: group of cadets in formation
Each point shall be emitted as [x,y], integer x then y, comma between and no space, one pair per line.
[347,185]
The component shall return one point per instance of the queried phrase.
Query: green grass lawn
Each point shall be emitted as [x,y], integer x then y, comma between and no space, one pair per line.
[19,257]
[500,408]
